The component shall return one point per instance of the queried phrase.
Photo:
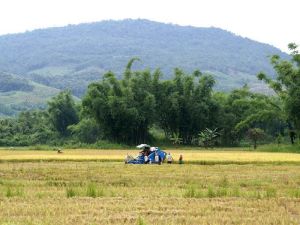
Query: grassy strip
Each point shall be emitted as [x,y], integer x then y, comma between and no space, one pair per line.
[193,162]
[285,148]
[280,148]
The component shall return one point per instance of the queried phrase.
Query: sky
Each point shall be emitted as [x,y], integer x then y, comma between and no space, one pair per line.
[273,22]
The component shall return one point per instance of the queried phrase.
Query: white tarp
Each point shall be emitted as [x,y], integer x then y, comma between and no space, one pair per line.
[143,146]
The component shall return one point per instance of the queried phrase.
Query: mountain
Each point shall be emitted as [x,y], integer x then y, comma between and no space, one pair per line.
[73,56]
[19,94]
[10,82]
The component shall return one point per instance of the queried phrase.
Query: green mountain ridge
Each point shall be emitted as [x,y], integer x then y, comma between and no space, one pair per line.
[73,56]
[10,82]
[24,95]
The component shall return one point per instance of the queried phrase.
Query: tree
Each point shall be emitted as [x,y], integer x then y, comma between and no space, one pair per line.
[33,127]
[255,134]
[263,111]
[287,84]
[185,105]
[86,131]
[29,128]
[124,109]
[242,109]
[62,112]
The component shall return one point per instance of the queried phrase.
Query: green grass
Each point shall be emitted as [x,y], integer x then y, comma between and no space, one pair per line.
[91,191]
[70,192]
[13,192]
[280,148]
[103,144]
[141,221]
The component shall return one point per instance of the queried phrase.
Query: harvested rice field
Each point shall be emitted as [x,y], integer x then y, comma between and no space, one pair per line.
[95,187]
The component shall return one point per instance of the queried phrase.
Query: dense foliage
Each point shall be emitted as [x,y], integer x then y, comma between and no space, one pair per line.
[287,85]
[185,105]
[28,129]
[62,112]
[124,108]
[185,109]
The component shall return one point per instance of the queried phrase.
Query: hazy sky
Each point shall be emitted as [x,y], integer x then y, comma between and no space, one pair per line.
[274,22]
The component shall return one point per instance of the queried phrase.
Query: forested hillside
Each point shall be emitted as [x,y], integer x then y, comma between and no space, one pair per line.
[71,57]
[19,94]
[140,107]
[10,82]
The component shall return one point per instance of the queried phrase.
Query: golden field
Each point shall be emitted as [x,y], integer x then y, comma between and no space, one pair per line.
[87,191]
[190,156]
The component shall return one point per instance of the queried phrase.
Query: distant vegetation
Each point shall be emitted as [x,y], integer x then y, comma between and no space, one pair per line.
[10,83]
[21,95]
[74,56]
[141,107]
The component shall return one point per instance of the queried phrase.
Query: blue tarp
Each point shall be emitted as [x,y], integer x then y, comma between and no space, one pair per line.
[151,157]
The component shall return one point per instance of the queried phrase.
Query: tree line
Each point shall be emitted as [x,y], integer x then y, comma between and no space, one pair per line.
[185,109]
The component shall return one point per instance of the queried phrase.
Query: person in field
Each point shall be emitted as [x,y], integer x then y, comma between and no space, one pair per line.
[146,159]
[180,159]
[169,158]
[157,159]
[146,151]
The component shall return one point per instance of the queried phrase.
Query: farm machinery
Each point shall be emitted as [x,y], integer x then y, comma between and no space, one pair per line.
[147,155]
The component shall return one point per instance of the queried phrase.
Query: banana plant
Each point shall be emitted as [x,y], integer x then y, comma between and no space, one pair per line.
[207,136]
[176,139]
